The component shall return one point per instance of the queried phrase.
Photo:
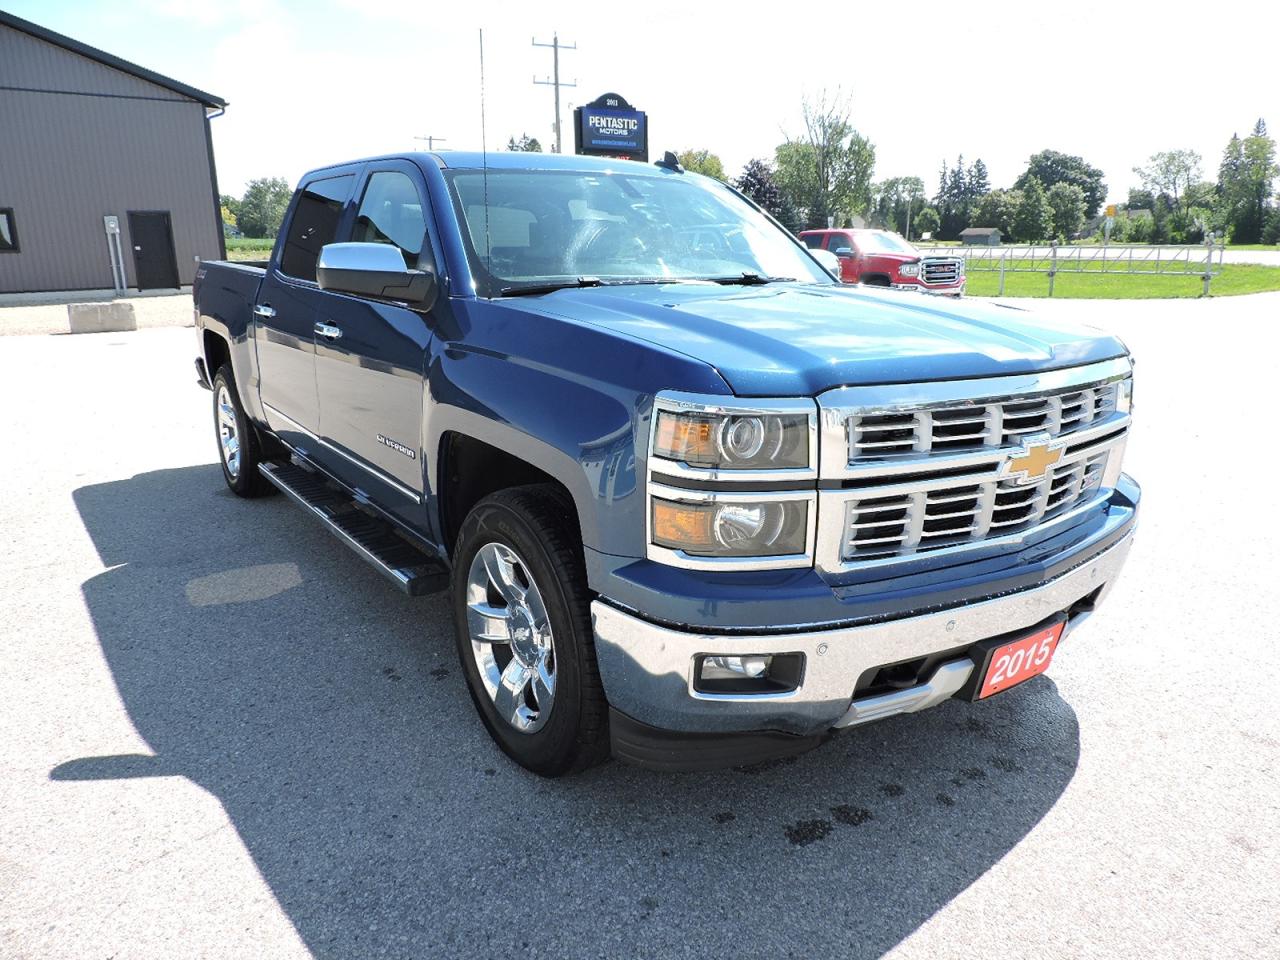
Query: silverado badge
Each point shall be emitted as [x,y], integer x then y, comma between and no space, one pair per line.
[1037,455]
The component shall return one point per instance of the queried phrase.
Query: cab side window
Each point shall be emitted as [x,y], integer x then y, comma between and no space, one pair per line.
[391,212]
[840,241]
[314,223]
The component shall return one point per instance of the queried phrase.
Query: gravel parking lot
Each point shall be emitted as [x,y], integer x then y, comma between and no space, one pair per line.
[225,736]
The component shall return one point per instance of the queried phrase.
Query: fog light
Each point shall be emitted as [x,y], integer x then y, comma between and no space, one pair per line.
[748,673]
[730,668]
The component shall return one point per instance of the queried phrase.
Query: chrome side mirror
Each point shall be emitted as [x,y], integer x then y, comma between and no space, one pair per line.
[374,270]
[844,251]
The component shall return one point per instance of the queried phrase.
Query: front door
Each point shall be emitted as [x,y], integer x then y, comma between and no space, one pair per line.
[849,262]
[371,357]
[155,266]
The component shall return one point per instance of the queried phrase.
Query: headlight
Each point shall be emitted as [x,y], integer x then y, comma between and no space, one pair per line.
[731,527]
[734,441]
[909,270]
[732,482]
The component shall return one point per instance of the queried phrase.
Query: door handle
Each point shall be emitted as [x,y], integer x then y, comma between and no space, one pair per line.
[328,331]
[264,310]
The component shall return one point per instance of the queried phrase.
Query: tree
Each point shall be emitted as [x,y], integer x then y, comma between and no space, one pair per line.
[978,183]
[757,182]
[898,202]
[526,144]
[928,222]
[1244,187]
[1169,174]
[1271,232]
[262,207]
[1067,202]
[1141,200]
[997,209]
[827,171]
[949,200]
[1050,167]
[959,190]
[704,162]
[1034,219]
[227,207]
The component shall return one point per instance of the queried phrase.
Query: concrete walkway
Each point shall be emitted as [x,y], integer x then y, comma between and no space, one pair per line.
[172,310]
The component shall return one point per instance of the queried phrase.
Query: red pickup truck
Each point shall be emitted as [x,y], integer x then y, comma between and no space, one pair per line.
[883,259]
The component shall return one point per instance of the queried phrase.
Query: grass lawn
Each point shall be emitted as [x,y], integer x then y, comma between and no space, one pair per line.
[1253,246]
[247,248]
[1235,279]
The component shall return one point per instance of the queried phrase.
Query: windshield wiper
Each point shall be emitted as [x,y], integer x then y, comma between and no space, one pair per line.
[534,289]
[747,278]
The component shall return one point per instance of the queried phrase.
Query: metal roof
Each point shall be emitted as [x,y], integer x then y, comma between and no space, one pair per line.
[101,56]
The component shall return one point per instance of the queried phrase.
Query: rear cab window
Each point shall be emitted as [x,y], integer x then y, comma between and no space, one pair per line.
[315,220]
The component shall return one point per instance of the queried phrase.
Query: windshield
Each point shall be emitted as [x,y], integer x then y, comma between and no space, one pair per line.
[875,241]
[546,226]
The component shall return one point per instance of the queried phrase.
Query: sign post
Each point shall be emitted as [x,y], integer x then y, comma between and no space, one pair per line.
[112,227]
[610,127]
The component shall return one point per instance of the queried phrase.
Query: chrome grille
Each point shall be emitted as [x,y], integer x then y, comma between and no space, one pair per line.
[939,270]
[972,426]
[943,516]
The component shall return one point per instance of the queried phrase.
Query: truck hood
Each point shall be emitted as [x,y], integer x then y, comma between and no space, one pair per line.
[800,339]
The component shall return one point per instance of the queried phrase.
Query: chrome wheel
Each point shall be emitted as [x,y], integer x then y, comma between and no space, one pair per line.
[228,436]
[511,637]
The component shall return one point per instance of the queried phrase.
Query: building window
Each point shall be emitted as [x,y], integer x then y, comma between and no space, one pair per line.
[8,231]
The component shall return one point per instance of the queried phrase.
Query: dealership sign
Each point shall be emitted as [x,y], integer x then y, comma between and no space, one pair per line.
[611,127]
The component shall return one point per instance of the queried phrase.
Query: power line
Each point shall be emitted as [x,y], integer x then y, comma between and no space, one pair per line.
[556,46]
[431,141]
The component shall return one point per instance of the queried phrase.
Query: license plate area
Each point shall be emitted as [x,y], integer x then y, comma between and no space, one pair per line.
[1006,661]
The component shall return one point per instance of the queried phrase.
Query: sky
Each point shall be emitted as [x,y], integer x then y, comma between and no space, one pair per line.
[312,83]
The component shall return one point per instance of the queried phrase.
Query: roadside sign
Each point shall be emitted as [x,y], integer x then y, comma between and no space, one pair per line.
[1111,211]
[611,127]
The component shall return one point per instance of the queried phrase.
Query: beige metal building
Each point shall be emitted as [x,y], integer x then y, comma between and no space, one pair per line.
[94,146]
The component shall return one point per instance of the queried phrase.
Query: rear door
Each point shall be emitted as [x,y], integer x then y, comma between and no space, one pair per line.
[286,312]
[371,354]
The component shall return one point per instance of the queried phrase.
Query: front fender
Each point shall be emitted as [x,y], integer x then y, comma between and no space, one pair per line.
[571,399]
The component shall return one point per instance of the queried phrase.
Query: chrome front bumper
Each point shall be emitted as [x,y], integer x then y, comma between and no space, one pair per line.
[647,669]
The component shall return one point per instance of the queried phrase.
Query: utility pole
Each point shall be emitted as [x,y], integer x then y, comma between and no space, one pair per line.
[556,46]
[431,141]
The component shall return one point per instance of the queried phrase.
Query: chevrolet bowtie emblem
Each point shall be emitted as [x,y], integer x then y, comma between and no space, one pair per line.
[1036,457]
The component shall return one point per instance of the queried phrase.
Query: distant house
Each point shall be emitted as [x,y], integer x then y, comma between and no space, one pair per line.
[980,236]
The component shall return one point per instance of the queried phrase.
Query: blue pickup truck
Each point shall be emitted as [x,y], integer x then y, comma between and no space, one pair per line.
[694,503]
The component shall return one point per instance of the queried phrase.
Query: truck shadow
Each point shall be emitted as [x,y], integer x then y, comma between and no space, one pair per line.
[264,662]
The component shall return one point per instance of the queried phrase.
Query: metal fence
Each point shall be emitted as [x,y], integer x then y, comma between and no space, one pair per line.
[1199,260]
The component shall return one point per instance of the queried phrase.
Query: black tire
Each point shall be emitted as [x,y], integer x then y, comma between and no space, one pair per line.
[245,480]
[537,523]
